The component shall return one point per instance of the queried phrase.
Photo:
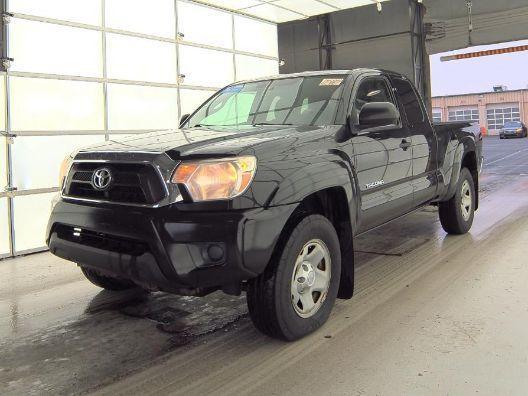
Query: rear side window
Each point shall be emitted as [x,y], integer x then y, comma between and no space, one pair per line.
[409,100]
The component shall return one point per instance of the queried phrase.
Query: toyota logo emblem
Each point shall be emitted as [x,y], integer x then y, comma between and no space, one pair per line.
[101,178]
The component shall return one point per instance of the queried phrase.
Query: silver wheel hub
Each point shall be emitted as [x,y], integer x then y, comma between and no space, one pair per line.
[311,278]
[466,203]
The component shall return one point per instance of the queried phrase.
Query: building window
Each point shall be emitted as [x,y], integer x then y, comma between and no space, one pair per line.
[437,116]
[497,117]
[464,115]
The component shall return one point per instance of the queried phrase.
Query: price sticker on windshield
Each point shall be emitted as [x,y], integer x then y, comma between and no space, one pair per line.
[327,82]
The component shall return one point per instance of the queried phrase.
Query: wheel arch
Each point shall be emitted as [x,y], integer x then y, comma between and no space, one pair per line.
[469,161]
[465,156]
[327,186]
[332,203]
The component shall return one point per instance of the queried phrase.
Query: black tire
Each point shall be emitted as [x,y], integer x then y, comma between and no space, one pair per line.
[107,282]
[452,213]
[269,296]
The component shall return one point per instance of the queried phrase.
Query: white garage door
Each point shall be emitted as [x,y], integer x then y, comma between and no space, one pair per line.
[499,114]
[88,70]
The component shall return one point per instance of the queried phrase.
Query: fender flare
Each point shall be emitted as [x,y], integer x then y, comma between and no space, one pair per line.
[335,171]
[464,147]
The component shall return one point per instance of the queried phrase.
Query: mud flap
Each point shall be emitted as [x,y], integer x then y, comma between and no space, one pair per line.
[346,284]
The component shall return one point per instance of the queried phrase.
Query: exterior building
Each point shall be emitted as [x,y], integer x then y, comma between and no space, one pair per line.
[490,109]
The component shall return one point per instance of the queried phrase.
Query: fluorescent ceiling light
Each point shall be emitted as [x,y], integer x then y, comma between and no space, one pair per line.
[273,13]
[310,7]
[287,10]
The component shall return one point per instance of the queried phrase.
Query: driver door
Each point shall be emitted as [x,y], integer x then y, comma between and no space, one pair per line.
[382,158]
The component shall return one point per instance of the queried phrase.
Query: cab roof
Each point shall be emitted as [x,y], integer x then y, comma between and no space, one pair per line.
[355,72]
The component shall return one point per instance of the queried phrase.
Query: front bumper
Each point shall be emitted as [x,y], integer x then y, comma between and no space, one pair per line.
[511,134]
[167,248]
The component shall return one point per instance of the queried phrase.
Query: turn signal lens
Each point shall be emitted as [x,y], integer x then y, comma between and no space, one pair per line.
[64,169]
[209,180]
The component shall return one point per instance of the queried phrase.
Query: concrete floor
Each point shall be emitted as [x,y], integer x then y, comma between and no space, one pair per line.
[432,314]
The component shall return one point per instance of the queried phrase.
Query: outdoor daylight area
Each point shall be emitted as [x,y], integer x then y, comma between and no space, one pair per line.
[263,197]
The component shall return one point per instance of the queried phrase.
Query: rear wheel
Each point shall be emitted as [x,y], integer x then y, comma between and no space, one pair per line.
[456,215]
[296,293]
[107,282]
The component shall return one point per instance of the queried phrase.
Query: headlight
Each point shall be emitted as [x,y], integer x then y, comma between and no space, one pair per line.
[64,169]
[216,179]
[519,130]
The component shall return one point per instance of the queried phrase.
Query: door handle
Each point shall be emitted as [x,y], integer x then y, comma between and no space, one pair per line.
[405,145]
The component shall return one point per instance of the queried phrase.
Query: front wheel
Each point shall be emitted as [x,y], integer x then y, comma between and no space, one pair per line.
[456,215]
[297,292]
[107,282]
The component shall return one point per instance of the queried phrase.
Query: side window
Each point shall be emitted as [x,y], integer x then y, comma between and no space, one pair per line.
[372,89]
[409,100]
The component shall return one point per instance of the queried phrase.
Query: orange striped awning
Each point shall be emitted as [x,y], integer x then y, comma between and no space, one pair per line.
[477,54]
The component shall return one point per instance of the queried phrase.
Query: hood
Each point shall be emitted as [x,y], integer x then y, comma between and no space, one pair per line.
[197,141]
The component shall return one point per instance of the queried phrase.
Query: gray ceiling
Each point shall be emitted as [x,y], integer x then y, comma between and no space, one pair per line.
[451,9]
[494,21]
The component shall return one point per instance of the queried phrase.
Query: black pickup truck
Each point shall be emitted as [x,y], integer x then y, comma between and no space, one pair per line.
[262,190]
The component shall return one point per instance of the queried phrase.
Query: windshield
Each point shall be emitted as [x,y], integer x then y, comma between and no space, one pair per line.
[512,124]
[290,101]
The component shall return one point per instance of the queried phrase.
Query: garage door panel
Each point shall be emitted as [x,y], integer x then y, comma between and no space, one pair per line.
[256,37]
[4,228]
[154,18]
[2,103]
[54,105]
[83,11]
[248,67]
[37,159]
[30,216]
[3,140]
[137,107]
[191,99]
[47,48]
[198,22]
[196,64]
[3,162]
[157,62]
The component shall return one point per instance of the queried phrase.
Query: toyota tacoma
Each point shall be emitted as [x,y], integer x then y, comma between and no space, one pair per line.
[262,190]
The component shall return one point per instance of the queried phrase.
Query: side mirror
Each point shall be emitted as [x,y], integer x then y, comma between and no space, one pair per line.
[378,114]
[184,118]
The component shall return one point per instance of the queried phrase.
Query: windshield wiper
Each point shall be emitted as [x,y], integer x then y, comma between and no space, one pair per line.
[267,123]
